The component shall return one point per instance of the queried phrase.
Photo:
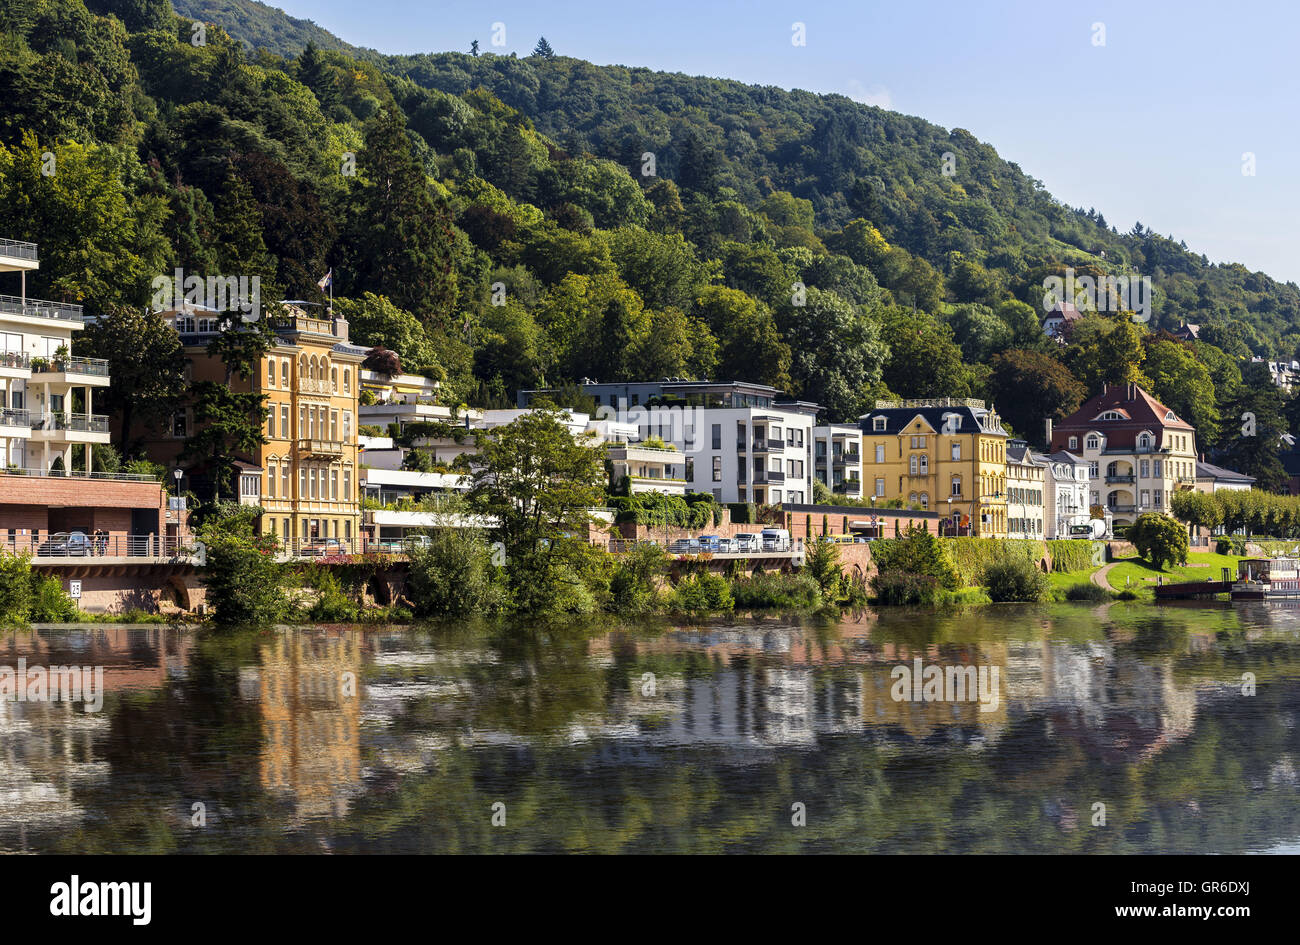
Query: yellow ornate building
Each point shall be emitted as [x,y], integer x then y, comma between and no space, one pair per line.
[944,455]
[306,475]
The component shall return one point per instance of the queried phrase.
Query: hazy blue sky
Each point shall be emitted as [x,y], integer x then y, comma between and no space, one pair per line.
[1152,126]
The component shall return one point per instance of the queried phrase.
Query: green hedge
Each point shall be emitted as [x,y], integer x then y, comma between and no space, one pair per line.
[696,510]
[1070,555]
[971,555]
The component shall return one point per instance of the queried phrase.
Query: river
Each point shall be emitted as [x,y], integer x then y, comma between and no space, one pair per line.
[1127,728]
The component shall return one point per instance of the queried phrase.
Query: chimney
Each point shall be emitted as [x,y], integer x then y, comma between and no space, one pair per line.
[341,328]
[1048,425]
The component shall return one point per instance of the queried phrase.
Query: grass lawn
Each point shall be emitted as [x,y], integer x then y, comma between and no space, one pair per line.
[1201,566]
[1066,579]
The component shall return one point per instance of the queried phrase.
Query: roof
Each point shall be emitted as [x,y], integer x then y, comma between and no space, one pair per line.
[1142,411]
[1022,455]
[1209,471]
[899,419]
[1065,310]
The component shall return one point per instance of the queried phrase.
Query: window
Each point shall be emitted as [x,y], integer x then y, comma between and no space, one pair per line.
[911,464]
[1094,442]
[1155,468]
[347,389]
[774,433]
[284,382]
[347,426]
[925,465]
[180,427]
[1092,470]
[1074,442]
[270,422]
[911,498]
[880,453]
[347,485]
[284,421]
[334,485]
[717,441]
[1159,503]
[956,486]
[925,500]
[334,379]
[956,451]
[334,425]
[717,466]
[302,483]
[272,474]
[878,424]
[250,485]
[285,478]
[1145,469]
[880,488]
[270,372]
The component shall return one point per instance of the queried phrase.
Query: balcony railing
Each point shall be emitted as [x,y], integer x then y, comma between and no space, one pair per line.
[40,308]
[20,360]
[13,417]
[316,385]
[315,447]
[1111,480]
[769,475]
[75,474]
[82,546]
[17,249]
[73,422]
[94,367]
[769,446]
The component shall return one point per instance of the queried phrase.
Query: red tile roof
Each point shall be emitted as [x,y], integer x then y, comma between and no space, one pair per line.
[1144,413]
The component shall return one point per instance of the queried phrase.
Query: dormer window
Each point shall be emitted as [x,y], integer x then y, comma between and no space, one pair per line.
[878,424]
[1110,415]
[1170,418]
[1093,441]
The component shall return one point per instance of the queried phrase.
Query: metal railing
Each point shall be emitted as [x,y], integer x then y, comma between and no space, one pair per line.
[15,417]
[72,422]
[1115,479]
[769,446]
[18,249]
[76,474]
[86,546]
[94,367]
[20,360]
[40,308]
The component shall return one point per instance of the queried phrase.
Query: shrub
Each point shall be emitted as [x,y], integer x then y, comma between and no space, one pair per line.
[1013,578]
[50,603]
[1087,591]
[245,582]
[632,586]
[900,587]
[702,593]
[453,576]
[917,553]
[786,591]
[15,588]
[1159,539]
[332,604]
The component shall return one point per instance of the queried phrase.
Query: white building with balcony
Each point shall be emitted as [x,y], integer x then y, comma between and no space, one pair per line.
[1065,493]
[47,396]
[837,458]
[742,442]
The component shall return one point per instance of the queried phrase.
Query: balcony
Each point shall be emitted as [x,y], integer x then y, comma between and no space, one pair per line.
[70,371]
[1121,509]
[768,475]
[326,448]
[54,423]
[315,385]
[769,446]
[15,361]
[24,254]
[851,459]
[12,417]
[1111,480]
[850,487]
[39,308]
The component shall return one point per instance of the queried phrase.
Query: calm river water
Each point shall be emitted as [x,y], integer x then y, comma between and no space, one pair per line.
[739,735]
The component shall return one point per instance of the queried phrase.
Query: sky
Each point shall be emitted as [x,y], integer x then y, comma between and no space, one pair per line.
[1179,115]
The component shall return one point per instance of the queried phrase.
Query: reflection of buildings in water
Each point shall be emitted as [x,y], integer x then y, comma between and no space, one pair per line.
[48,750]
[309,686]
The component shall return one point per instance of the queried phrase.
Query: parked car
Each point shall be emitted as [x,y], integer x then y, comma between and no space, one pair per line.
[727,546]
[748,541]
[709,543]
[416,541]
[685,546]
[322,547]
[62,544]
[776,539]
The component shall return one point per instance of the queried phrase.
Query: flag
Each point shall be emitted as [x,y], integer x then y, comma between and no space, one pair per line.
[327,282]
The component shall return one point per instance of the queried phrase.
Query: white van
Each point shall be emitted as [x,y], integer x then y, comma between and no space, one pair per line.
[776,539]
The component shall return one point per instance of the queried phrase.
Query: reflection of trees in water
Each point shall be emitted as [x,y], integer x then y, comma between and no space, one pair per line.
[745,718]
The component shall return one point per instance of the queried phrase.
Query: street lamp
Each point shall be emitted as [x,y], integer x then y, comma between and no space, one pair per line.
[177,473]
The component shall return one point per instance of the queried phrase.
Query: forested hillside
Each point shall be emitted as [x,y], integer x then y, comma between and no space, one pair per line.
[492,219]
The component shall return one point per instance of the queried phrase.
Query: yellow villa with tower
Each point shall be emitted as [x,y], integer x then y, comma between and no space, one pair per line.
[945,455]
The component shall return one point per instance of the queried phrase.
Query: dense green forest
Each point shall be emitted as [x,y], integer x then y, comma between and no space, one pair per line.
[508,222]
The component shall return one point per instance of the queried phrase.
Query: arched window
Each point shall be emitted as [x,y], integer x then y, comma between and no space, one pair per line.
[284,373]
[911,499]
[925,464]
[347,381]
[925,500]
[270,372]
[334,379]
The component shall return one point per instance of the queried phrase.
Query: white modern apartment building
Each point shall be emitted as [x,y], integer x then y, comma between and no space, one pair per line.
[741,442]
[1025,485]
[837,458]
[1065,493]
[47,397]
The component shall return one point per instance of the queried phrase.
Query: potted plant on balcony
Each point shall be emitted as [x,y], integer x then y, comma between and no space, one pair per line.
[61,356]
[40,365]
